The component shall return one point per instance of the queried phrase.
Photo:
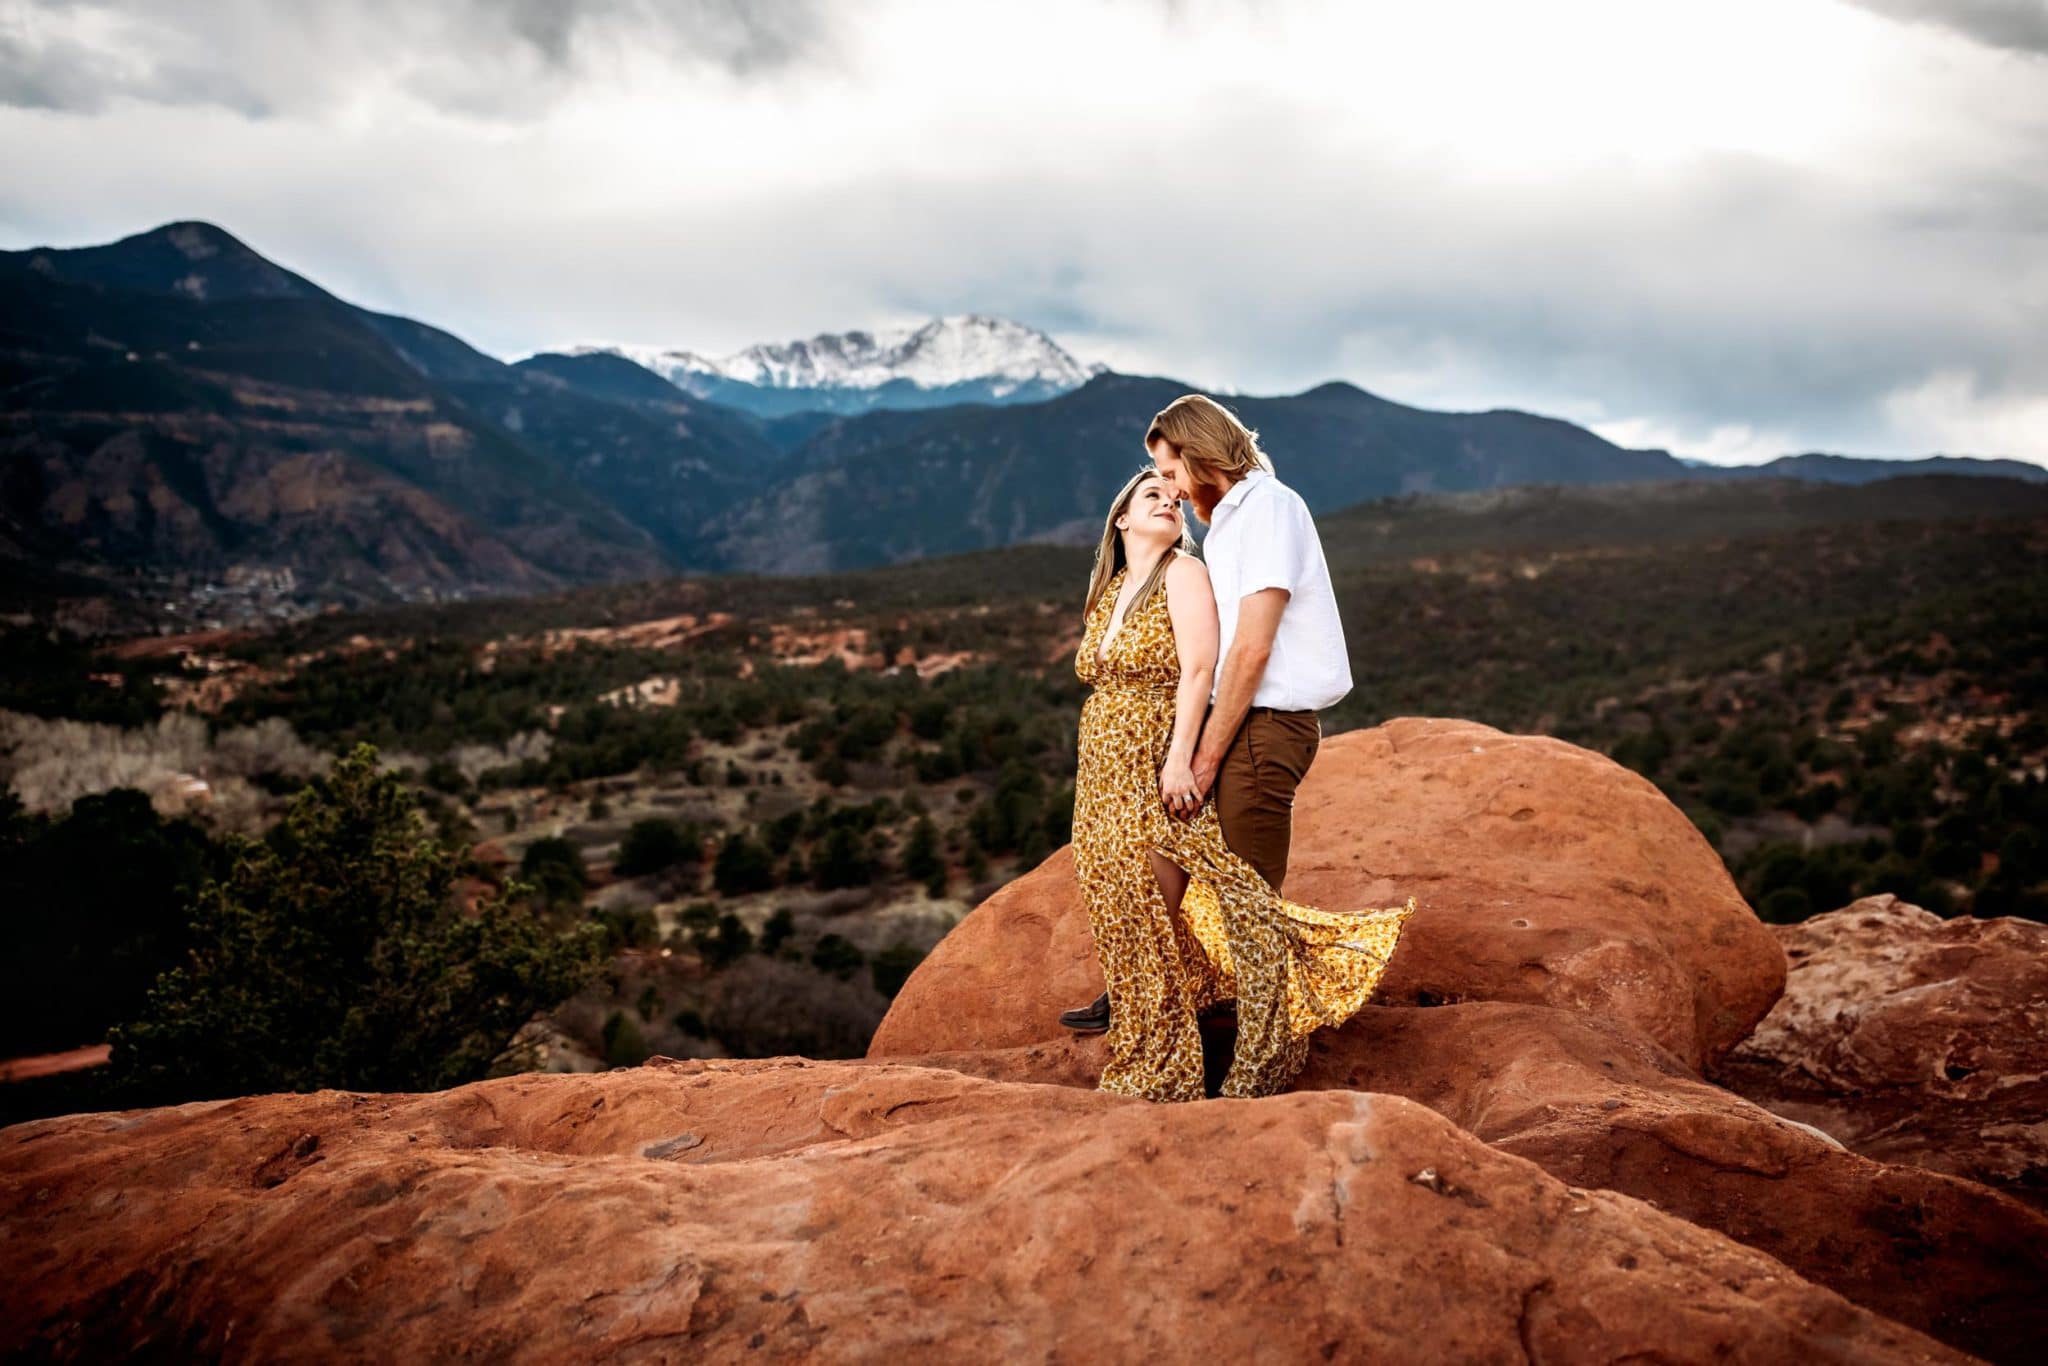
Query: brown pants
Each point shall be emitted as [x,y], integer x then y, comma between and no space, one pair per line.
[1255,786]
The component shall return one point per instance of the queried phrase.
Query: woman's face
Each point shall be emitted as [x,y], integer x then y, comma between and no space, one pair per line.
[1153,515]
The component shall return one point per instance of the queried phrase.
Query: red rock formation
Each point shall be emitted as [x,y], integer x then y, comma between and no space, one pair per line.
[55,1064]
[840,1211]
[1583,1010]
[1912,1039]
[1596,1104]
[1000,978]
[1581,951]
[1544,873]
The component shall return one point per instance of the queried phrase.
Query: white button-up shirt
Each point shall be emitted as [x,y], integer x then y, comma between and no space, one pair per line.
[1261,536]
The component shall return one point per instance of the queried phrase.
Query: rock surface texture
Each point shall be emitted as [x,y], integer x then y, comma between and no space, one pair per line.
[859,1211]
[1578,953]
[1543,873]
[1515,1158]
[1596,1104]
[1912,1039]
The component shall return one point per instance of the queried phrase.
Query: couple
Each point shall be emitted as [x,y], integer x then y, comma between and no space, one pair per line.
[1183,891]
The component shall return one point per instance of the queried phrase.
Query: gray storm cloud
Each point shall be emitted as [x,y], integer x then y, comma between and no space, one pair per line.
[1773,227]
[2018,24]
[493,59]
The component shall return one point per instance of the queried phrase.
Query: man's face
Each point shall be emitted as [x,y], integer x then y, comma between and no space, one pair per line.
[1180,478]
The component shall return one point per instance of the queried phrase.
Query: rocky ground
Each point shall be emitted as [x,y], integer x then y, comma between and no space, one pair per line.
[1517,1155]
[1912,1039]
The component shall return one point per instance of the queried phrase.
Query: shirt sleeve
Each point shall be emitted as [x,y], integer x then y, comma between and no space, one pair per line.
[1273,543]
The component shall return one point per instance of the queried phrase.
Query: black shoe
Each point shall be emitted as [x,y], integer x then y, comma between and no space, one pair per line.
[1092,1018]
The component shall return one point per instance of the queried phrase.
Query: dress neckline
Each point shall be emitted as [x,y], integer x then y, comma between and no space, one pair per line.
[1115,629]
[1112,628]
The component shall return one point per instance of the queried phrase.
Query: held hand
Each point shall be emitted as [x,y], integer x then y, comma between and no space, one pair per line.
[1204,773]
[1177,788]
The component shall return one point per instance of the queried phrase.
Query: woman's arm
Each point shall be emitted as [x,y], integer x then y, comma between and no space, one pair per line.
[1191,604]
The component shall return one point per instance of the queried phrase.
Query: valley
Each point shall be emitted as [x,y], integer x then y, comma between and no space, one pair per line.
[777,793]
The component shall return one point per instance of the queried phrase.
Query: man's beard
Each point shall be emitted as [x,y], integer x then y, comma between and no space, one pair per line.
[1204,500]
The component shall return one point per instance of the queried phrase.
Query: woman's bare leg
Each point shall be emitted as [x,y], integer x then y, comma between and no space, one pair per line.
[1173,880]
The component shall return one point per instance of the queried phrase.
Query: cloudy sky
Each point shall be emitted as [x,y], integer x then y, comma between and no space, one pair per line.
[1732,229]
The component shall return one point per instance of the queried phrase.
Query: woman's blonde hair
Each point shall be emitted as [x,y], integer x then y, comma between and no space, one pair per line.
[1109,551]
[1209,439]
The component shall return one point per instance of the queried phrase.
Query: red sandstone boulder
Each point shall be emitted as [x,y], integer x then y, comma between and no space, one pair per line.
[946,1209]
[1000,978]
[1913,1039]
[1596,1104]
[1544,873]
[840,1211]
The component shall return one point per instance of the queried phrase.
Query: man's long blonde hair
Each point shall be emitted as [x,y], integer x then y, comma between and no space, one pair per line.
[1216,447]
[1109,551]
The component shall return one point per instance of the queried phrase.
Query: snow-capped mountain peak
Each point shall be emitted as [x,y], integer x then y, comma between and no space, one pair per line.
[997,358]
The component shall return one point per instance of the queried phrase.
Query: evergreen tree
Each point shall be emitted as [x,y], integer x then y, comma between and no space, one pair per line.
[728,942]
[653,844]
[92,909]
[555,869]
[333,955]
[744,865]
[844,861]
[776,932]
[921,851]
[837,955]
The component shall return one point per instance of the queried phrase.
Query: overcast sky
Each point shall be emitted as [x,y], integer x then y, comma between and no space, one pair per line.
[1731,229]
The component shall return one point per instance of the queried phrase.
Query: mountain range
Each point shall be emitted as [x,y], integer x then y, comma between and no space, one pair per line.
[966,358]
[176,405]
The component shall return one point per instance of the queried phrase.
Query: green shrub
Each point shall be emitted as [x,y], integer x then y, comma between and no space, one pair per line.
[892,967]
[728,942]
[653,844]
[93,906]
[765,1007]
[837,955]
[333,955]
[844,861]
[743,865]
[554,868]
[921,851]
[627,927]
[1786,906]
[624,1044]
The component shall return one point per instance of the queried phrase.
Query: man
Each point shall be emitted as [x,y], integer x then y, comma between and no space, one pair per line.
[1280,640]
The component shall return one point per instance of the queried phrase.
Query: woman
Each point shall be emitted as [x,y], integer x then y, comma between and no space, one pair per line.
[1149,650]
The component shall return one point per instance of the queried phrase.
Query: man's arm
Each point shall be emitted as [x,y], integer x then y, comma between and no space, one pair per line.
[1258,621]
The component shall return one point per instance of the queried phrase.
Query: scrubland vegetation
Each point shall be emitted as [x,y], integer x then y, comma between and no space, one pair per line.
[757,827]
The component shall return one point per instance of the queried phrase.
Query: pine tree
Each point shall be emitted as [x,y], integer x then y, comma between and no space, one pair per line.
[744,865]
[921,852]
[333,955]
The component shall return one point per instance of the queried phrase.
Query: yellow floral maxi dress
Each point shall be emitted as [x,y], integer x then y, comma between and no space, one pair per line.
[1291,968]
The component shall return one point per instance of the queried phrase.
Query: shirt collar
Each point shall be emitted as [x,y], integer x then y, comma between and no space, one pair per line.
[1240,488]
